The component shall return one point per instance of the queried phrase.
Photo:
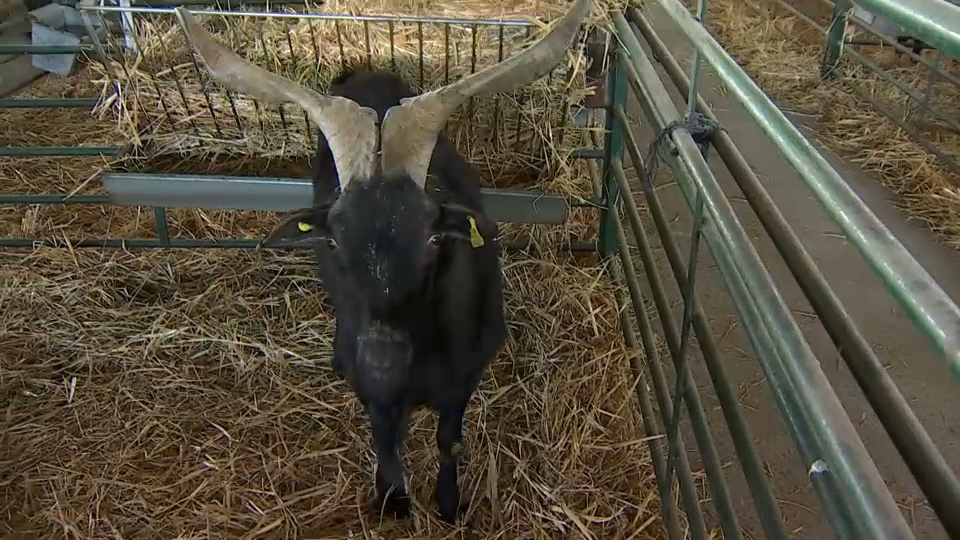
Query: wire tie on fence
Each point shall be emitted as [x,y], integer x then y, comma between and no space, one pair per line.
[701,128]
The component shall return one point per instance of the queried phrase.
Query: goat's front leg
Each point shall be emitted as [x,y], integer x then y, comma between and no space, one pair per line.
[450,443]
[388,425]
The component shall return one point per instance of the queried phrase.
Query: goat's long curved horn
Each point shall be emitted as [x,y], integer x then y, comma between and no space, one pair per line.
[409,131]
[350,130]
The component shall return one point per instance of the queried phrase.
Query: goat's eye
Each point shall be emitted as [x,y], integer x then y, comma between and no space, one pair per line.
[435,239]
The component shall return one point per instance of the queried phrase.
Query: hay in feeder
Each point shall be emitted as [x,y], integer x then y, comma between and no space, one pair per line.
[171,107]
[774,47]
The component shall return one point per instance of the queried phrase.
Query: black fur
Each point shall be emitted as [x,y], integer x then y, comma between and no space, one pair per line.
[417,321]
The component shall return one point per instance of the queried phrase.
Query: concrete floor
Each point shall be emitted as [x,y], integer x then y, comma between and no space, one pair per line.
[919,372]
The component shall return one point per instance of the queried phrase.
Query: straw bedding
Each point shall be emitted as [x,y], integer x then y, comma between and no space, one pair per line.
[783,55]
[188,393]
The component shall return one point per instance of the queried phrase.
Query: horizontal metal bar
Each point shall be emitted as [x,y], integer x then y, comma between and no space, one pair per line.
[230,3]
[803,392]
[288,194]
[320,16]
[587,153]
[926,302]
[29,48]
[53,151]
[224,243]
[54,199]
[934,21]
[47,103]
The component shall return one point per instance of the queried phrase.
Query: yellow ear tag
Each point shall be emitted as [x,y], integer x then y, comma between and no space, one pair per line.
[475,239]
[304,227]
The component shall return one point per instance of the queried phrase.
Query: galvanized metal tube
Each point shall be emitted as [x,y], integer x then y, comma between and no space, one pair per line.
[934,21]
[933,474]
[53,199]
[835,35]
[47,103]
[317,16]
[805,389]
[612,149]
[927,303]
[52,151]
[29,48]
[769,512]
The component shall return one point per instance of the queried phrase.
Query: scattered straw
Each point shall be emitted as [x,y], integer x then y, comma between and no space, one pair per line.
[782,54]
[189,394]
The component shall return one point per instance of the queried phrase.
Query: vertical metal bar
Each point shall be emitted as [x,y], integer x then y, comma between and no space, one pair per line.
[313,41]
[231,95]
[163,230]
[179,84]
[306,120]
[921,117]
[266,52]
[420,50]
[835,38]
[495,132]
[343,55]
[206,93]
[366,44]
[695,69]
[521,99]
[446,53]
[393,54]
[613,148]
[473,68]
[689,289]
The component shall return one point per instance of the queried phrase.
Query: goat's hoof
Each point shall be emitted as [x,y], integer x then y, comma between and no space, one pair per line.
[451,509]
[394,502]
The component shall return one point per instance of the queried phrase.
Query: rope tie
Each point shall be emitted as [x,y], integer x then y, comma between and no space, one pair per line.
[701,128]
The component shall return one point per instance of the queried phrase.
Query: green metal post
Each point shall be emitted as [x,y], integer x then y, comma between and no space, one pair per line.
[613,150]
[835,36]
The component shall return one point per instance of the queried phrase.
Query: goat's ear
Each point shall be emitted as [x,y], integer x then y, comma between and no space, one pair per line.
[303,227]
[463,223]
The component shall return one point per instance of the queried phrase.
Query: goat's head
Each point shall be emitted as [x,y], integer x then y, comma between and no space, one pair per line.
[382,227]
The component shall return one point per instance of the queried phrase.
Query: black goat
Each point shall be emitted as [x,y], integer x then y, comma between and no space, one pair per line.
[413,270]
[423,331]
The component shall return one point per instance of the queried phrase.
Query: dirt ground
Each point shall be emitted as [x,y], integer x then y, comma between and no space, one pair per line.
[919,372]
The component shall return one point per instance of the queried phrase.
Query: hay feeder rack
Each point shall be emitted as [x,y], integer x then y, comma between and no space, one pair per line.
[856,502]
